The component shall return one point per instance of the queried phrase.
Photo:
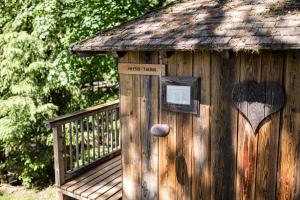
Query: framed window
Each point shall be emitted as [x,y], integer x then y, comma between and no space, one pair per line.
[180,94]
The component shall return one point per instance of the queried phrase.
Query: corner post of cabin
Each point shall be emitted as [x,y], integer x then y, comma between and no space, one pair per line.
[58,159]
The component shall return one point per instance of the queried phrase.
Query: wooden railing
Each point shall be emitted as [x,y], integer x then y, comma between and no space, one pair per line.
[84,139]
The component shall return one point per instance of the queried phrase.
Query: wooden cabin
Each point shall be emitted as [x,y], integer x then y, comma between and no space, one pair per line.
[209,107]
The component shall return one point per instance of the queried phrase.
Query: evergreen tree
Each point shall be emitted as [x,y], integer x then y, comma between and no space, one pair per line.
[39,79]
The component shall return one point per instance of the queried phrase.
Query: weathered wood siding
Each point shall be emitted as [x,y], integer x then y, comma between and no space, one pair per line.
[214,155]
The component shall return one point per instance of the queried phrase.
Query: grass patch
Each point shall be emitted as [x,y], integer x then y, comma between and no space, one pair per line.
[8,192]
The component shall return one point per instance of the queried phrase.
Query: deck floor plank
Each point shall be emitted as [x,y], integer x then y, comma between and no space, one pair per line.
[89,173]
[88,184]
[106,185]
[110,192]
[93,191]
[102,182]
[89,179]
[116,196]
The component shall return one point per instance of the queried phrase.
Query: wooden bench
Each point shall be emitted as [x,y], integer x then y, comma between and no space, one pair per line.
[103,182]
[87,153]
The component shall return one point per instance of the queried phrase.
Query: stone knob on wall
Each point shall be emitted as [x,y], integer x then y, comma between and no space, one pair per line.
[160,130]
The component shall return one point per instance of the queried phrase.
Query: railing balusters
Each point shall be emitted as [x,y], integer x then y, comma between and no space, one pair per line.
[70,146]
[82,141]
[73,138]
[107,131]
[64,147]
[117,129]
[111,130]
[77,144]
[88,138]
[98,133]
[102,132]
[93,129]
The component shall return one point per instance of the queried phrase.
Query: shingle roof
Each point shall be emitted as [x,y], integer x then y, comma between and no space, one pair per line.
[205,24]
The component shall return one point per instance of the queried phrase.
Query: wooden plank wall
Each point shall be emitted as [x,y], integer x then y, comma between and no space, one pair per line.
[214,155]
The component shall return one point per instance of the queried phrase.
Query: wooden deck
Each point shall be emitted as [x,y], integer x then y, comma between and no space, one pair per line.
[103,182]
[87,149]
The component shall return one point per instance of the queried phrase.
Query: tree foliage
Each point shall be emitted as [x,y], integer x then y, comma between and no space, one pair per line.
[40,79]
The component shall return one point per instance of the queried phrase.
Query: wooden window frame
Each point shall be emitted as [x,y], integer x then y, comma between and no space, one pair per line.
[193,82]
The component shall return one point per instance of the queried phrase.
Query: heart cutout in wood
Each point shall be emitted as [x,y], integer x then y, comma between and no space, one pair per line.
[258,100]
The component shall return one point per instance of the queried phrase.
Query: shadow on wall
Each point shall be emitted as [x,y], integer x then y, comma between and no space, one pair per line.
[224,160]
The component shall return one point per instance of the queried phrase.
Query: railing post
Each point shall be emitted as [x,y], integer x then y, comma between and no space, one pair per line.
[58,155]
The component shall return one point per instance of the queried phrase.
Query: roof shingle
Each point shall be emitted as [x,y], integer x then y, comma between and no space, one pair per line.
[204,24]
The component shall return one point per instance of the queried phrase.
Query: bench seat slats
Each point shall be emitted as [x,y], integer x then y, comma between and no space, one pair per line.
[97,190]
[102,182]
[89,173]
[104,188]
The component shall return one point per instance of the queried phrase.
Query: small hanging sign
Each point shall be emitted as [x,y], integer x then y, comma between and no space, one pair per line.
[142,69]
[180,94]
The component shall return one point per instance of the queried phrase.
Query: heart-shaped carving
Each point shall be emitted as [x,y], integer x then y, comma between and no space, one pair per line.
[258,100]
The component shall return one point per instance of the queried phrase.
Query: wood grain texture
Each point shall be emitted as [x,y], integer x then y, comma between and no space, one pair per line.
[149,116]
[215,155]
[247,140]
[201,174]
[257,101]
[134,133]
[149,69]
[96,182]
[268,135]
[58,156]
[70,117]
[92,185]
[184,135]
[89,173]
[130,130]
[224,75]
[289,178]
[125,98]
[167,145]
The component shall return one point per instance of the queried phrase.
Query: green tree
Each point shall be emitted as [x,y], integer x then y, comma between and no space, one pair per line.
[40,79]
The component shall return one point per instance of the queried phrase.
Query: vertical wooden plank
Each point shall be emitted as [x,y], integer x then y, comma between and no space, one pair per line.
[268,135]
[111,130]
[184,134]
[94,139]
[77,144]
[201,177]
[98,134]
[58,156]
[82,141]
[224,74]
[117,134]
[125,110]
[71,145]
[130,130]
[116,127]
[61,196]
[64,138]
[167,146]
[289,173]
[102,132]
[135,132]
[107,130]
[247,140]
[88,138]
[149,116]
